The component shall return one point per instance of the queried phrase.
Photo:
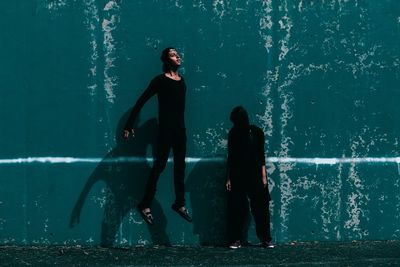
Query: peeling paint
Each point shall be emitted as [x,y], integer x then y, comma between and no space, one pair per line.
[356,199]
[338,214]
[108,26]
[266,24]
[285,24]
[266,119]
[199,4]
[55,5]
[213,142]
[219,7]
[92,22]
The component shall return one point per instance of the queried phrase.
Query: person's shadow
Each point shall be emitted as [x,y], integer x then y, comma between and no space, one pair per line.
[208,198]
[125,183]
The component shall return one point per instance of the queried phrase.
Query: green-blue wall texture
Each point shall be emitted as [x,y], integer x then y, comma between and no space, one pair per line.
[321,77]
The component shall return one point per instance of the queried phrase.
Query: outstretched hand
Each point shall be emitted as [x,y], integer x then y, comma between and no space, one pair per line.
[126,133]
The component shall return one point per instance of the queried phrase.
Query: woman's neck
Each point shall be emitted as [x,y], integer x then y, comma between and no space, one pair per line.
[174,75]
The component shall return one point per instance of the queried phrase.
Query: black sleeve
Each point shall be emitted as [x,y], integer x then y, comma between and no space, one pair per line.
[147,94]
[260,151]
[229,160]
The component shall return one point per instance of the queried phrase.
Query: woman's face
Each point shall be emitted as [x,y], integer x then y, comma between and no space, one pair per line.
[174,57]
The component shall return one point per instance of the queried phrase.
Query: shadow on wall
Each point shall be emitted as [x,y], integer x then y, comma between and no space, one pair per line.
[206,186]
[208,197]
[125,183]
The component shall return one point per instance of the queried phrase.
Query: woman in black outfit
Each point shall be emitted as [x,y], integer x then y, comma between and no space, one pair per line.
[247,180]
[170,89]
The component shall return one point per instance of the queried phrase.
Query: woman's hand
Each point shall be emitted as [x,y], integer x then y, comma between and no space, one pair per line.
[265,182]
[264,176]
[228,185]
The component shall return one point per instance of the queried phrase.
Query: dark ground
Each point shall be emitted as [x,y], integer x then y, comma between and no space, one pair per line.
[366,253]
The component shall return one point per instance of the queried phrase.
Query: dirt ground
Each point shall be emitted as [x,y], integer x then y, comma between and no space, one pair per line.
[366,253]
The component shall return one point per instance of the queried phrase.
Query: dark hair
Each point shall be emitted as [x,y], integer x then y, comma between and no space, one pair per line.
[239,117]
[165,59]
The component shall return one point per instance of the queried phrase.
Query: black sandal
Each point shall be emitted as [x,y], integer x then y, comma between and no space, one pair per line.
[147,216]
[184,214]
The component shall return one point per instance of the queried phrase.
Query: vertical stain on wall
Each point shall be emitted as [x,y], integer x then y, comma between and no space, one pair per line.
[285,24]
[358,198]
[109,24]
[271,77]
[266,118]
[92,21]
[338,214]
[354,203]
[287,100]
[396,234]
[266,24]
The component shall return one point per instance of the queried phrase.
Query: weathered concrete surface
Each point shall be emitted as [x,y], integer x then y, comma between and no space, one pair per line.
[372,253]
[321,77]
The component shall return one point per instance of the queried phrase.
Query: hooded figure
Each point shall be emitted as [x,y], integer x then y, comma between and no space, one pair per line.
[247,180]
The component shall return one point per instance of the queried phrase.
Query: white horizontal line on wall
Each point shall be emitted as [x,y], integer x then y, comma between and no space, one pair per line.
[332,161]
[317,161]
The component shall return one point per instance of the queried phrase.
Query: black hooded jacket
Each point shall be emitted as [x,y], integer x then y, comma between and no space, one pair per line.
[246,154]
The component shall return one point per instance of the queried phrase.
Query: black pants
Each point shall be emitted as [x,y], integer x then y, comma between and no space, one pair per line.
[238,205]
[175,139]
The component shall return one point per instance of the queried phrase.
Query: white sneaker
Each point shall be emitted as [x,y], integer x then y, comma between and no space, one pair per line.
[268,244]
[235,245]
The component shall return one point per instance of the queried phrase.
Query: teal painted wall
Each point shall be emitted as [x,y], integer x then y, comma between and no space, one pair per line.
[320,77]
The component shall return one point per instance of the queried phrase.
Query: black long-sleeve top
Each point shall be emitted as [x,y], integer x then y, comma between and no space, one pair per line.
[246,152]
[171,102]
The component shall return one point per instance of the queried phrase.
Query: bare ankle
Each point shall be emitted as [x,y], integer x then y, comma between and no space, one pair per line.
[146,210]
